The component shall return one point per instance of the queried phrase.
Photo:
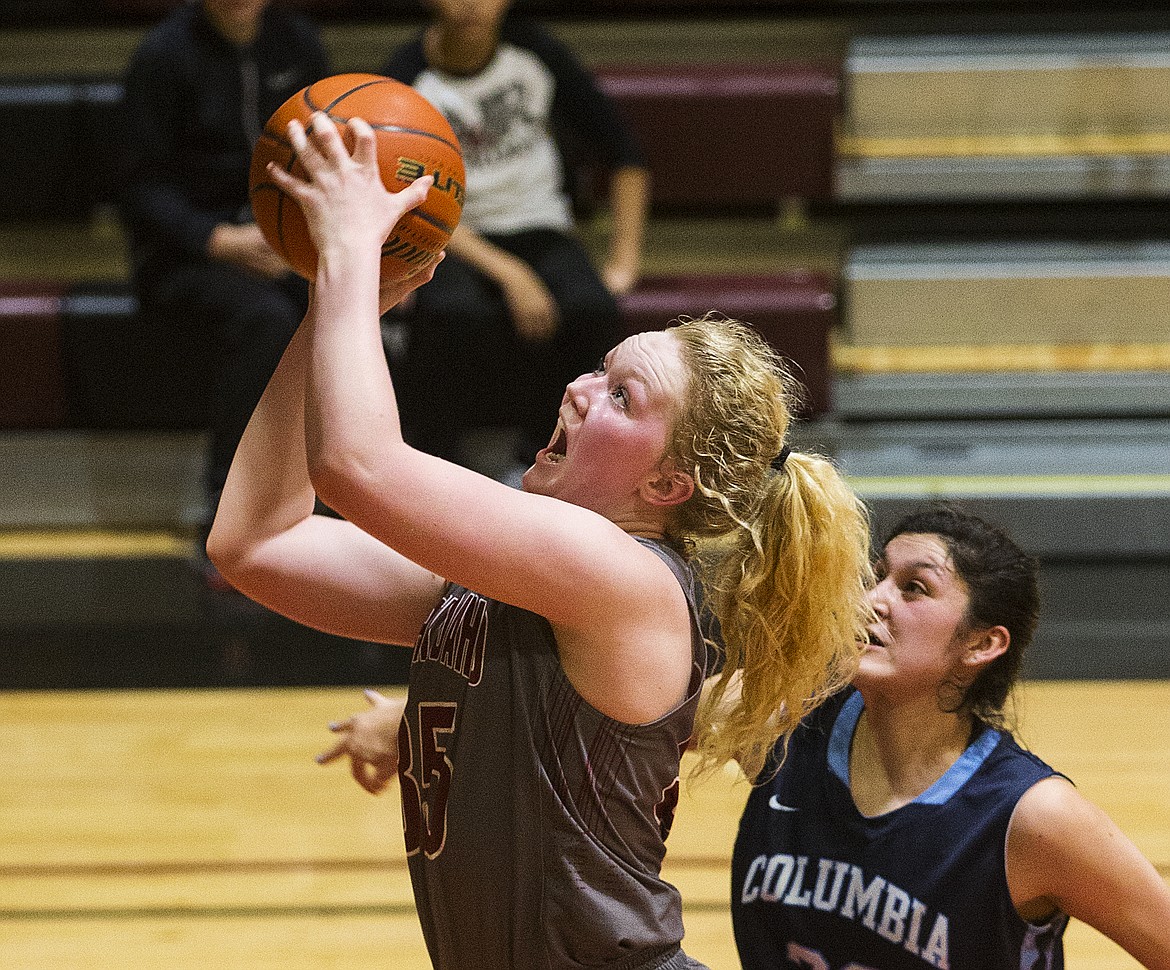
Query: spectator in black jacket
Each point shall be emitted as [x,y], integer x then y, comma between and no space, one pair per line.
[199,89]
[517,302]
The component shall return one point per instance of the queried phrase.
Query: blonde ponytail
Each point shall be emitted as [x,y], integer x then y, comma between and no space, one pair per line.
[789,594]
[785,552]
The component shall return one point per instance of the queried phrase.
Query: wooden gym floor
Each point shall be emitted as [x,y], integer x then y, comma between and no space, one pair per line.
[192,829]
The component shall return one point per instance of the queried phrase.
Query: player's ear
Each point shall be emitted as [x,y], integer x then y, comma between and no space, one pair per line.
[668,486]
[985,645]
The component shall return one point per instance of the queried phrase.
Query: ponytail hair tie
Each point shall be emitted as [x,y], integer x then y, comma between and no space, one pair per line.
[780,459]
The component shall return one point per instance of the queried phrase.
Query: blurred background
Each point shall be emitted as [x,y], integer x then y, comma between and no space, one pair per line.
[952,216]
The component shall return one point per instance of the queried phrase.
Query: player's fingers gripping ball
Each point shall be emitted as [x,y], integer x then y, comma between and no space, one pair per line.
[413,139]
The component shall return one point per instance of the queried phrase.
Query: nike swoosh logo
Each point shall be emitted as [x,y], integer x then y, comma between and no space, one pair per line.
[775,803]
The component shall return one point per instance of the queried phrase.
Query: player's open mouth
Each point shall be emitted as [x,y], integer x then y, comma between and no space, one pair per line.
[555,452]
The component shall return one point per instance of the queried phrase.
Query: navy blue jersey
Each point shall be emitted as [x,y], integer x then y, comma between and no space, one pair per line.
[817,885]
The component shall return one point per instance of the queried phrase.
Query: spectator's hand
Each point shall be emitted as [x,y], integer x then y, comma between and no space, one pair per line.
[245,246]
[531,306]
[370,741]
[619,278]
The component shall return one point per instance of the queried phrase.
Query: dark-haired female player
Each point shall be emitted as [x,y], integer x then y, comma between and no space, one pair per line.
[906,828]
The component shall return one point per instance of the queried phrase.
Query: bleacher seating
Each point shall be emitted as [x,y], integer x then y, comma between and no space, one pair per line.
[114,359]
[739,137]
[700,126]
[844,120]
[1009,198]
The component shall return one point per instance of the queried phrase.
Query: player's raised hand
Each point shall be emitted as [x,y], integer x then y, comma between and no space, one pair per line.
[345,204]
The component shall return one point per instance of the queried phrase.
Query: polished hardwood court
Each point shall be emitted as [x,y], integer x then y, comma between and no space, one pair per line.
[192,830]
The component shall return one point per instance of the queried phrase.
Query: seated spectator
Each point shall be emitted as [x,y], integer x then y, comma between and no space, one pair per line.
[517,302]
[199,89]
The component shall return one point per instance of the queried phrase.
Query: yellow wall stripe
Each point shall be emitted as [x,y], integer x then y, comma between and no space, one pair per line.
[92,544]
[1004,146]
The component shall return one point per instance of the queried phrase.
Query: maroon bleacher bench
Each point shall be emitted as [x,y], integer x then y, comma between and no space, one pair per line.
[794,310]
[731,137]
[86,357]
[718,138]
[31,365]
[83,357]
[59,141]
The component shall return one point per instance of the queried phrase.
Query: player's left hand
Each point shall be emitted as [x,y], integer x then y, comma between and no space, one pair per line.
[370,740]
[393,292]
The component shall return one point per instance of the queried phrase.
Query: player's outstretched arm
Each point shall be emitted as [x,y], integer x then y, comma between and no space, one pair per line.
[267,541]
[1063,851]
[605,594]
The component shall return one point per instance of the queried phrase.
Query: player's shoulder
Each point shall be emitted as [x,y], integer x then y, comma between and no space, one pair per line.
[1051,826]
[1010,756]
[1052,802]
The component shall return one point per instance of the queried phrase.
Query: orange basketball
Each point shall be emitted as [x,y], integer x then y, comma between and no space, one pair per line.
[414,140]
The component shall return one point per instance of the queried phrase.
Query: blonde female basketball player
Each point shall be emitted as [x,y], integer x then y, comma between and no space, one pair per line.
[557,655]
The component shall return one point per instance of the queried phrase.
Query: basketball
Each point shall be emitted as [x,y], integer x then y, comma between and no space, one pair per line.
[413,140]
